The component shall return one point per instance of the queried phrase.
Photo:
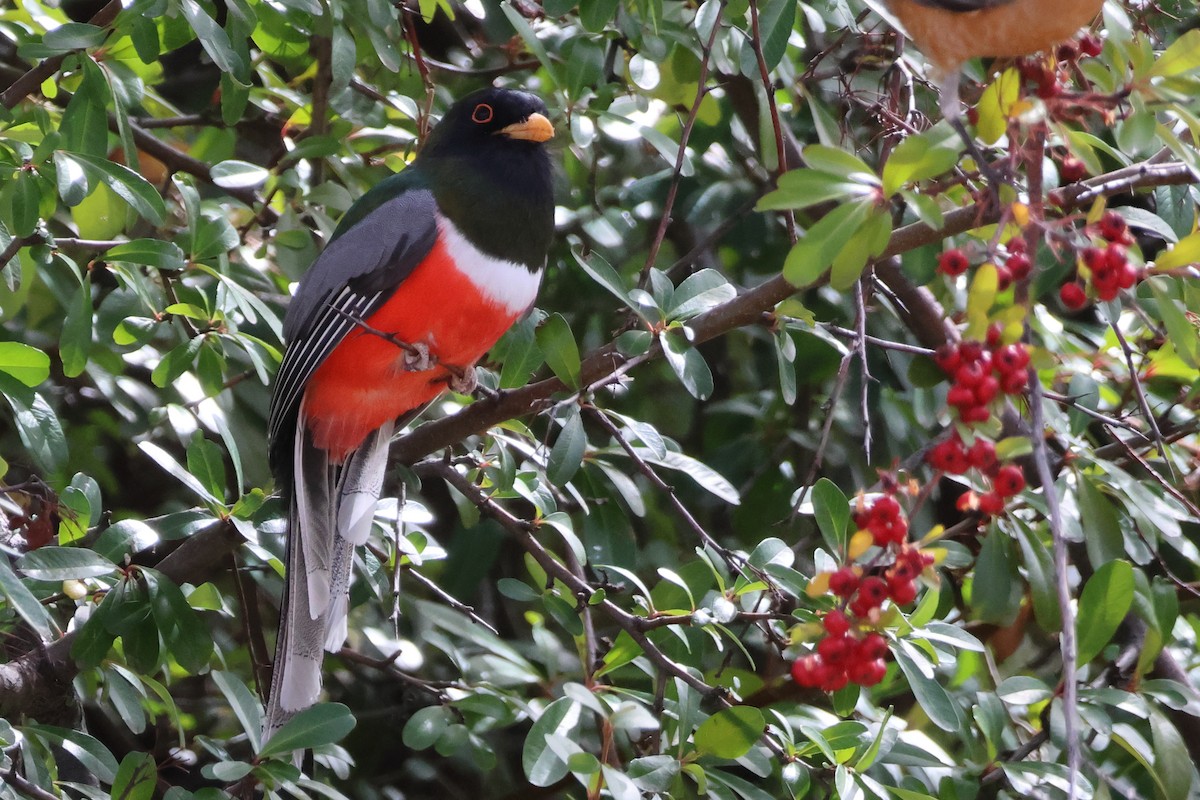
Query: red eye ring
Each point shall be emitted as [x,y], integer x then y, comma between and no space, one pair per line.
[482,114]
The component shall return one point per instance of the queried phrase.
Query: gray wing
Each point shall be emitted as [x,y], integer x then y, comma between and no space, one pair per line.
[355,275]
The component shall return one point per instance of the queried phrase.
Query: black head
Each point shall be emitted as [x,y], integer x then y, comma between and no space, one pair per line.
[489,170]
[491,120]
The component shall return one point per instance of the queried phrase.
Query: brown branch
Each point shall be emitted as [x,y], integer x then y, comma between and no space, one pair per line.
[32,80]
[749,308]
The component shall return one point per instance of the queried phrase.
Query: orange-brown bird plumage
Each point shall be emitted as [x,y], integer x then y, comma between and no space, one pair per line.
[951,32]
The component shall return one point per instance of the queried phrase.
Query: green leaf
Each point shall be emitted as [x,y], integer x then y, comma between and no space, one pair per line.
[520,353]
[176,362]
[933,699]
[921,156]
[701,473]
[542,765]
[700,292]
[76,342]
[996,589]
[150,252]
[686,361]
[1039,569]
[803,188]
[317,726]
[85,120]
[72,181]
[125,183]
[814,254]
[426,726]
[518,21]
[832,511]
[838,162]
[213,38]
[185,634]
[599,270]
[1105,601]
[74,36]
[137,777]
[244,704]
[207,464]
[567,454]
[168,463]
[775,22]
[64,563]
[557,344]
[1173,765]
[27,364]
[1181,57]
[730,733]
[25,603]
[239,175]
[37,425]
[91,754]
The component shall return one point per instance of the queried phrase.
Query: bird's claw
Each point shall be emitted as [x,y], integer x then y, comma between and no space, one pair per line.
[463,380]
[417,359]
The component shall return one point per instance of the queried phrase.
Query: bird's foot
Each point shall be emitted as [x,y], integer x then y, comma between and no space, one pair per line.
[417,358]
[462,379]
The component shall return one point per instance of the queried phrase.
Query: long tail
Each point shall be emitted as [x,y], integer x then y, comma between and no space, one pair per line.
[330,511]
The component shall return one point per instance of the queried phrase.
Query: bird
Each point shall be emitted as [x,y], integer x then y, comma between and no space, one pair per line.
[423,274]
[952,32]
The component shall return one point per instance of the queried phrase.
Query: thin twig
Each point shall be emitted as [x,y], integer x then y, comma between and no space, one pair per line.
[681,154]
[764,73]
[1140,394]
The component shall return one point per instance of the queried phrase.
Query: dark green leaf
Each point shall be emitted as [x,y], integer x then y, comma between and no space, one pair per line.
[544,767]
[25,603]
[37,425]
[91,754]
[686,361]
[213,38]
[76,342]
[832,511]
[243,703]
[996,590]
[64,563]
[557,343]
[74,36]
[137,777]
[207,464]
[567,454]
[72,181]
[425,727]
[85,120]
[125,183]
[1106,599]
[814,254]
[317,726]
[151,252]
[776,19]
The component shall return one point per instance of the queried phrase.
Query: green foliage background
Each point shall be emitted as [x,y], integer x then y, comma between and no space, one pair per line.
[596,581]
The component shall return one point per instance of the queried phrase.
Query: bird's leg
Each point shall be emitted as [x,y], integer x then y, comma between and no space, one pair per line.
[417,358]
[461,379]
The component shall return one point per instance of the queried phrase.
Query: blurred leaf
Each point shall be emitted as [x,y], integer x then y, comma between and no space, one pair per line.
[76,342]
[567,454]
[426,726]
[243,704]
[150,252]
[1105,601]
[776,18]
[125,183]
[542,765]
[730,733]
[91,754]
[25,603]
[64,563]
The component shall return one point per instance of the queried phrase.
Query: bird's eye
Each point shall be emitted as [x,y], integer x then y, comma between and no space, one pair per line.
[482,114]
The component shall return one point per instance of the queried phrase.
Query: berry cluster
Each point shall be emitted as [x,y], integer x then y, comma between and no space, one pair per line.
[981,372]
[851,650]
[1016,265]
[1046,76]
[1108,267]
[953,457]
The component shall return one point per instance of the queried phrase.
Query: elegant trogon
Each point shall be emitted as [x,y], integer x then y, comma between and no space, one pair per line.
[421,277]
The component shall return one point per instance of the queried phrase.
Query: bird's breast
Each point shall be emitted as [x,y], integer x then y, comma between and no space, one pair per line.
[458,302]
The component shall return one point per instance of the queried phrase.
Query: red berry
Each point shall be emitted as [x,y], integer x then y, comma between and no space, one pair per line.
[994,332]
[835,681]
[960,397]
[1014,382]
[970,374]
[1091,45]
[836,623]
[1128,276]
[982,455]
[1019,266]
[1073,296]
[1048,85]
[972,415]
[834,649]
[872,646]
[953,263]
[1009,358]
[874,673]
[987,390]
[873,591]
[902,592]
[1094,258]
[1015,245]
[808,671]
[844,582]
[1072,170]
[971,350]
[1004,276]
[947,358]
[1009,480]
[991,504]
[1116,257]
[1068,51]
[1112,226]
